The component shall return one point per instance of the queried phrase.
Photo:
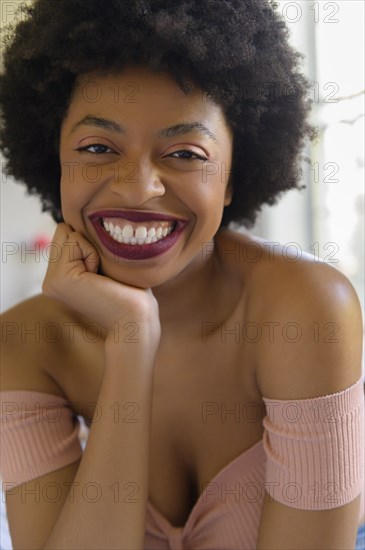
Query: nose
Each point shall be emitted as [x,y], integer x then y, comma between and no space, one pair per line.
[136,183]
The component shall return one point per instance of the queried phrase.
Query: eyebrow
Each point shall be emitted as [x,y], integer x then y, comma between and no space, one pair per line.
[171,131]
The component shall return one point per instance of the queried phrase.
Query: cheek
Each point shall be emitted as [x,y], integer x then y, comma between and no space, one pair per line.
[73,199]
[207,196]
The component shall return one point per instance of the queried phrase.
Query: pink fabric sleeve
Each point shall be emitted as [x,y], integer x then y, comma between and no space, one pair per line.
[315,449]
[39,434]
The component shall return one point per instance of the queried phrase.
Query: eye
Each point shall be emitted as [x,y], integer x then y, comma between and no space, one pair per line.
[188,155]
[99,149]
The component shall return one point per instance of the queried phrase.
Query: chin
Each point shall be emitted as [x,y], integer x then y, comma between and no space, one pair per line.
[141,279]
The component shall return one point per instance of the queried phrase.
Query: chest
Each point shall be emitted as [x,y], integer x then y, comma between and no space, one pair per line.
[206,411]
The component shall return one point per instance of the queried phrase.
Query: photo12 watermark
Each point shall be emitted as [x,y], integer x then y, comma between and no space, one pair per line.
[91,492]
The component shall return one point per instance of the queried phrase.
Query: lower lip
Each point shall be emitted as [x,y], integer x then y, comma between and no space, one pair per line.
[138,251]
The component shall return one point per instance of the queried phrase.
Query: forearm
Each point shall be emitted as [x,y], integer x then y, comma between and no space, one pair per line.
[287,528]
[106,506]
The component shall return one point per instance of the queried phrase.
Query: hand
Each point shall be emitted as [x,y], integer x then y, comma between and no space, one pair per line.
[72,279]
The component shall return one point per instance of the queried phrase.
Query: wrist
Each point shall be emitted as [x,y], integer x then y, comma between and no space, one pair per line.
[132,340]
[133,332]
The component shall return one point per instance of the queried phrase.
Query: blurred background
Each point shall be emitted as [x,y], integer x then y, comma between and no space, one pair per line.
[326,219]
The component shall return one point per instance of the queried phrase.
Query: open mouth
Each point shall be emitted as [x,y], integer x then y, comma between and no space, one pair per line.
[140,233]
[137,239]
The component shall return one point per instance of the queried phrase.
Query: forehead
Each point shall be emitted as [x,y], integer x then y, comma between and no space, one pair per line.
[142,94]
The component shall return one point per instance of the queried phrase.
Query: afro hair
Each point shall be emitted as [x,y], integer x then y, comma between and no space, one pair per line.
[235,51]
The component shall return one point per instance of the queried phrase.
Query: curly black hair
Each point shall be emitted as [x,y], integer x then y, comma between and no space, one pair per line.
[235,51]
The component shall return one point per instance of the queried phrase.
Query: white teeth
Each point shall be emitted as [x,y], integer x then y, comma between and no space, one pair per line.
[141,232]
[127,231]
[126,234]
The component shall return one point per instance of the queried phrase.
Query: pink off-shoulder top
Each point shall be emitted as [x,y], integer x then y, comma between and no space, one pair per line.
[311,457]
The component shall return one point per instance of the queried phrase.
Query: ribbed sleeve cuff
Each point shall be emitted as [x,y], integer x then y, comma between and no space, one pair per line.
[39,434]
[315,449]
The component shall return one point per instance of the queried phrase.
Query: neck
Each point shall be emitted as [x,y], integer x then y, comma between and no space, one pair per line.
[192,295]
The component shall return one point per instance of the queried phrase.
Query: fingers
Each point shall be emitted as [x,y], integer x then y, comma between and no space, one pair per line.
[72,278]
[70,257]
[72,249]
[83,251]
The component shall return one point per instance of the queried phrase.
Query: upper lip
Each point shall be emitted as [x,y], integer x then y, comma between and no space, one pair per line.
[133,215]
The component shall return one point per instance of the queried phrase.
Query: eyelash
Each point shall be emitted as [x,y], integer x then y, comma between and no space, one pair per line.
[86,147]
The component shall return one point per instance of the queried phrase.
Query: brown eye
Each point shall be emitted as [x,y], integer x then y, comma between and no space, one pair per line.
[188,155]
[99,149]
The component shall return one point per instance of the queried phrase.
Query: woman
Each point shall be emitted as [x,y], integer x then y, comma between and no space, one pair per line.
[220,377]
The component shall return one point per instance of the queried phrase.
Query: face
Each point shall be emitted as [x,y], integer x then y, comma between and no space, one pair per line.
[144,163]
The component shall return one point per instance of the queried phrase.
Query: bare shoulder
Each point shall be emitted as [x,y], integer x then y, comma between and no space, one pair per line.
[33,338]
[261,261]
[308,314]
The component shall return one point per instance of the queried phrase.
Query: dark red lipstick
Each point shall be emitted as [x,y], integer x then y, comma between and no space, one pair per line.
[132,215]
[136,251]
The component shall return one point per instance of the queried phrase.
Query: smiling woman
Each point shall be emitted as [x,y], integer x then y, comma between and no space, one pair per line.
[224,378]
[169,179]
